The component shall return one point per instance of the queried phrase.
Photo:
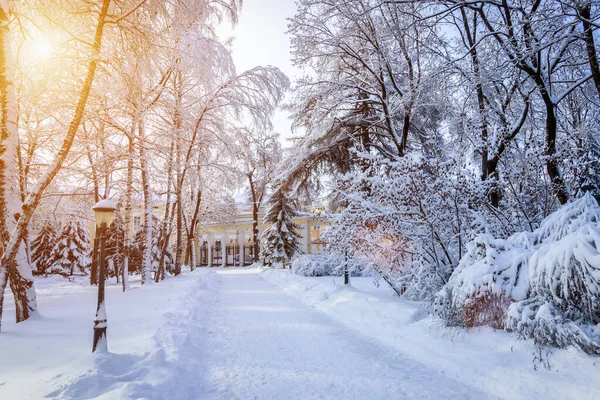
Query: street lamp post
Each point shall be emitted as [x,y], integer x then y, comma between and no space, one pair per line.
[346,272]
[103,213]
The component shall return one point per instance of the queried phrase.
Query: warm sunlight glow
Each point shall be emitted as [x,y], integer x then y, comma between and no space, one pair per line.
[41,48]
[36,49]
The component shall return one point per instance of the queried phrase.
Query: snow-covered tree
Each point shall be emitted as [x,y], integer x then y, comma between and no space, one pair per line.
[171,80]
[41,248]
[138,247]
[71,253]
[588,165]
[258,157]
[407,225]
[281,239]
[115,246]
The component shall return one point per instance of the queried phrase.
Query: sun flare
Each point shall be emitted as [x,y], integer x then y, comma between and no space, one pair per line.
[41,48]
[35,49]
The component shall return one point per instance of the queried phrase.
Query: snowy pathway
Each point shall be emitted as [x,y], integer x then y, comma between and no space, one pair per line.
[263,344]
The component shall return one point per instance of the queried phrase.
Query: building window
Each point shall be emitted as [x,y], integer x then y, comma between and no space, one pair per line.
[137,222]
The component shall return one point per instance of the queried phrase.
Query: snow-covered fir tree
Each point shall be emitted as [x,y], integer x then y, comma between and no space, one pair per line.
[589,166]
[115,245]
[281,238]
[71,253]
[41,248]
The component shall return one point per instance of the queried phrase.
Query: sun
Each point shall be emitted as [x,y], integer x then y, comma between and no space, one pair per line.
[41,48]
[36,50]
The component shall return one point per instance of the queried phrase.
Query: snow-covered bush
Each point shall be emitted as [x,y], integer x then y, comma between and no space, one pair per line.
[564,273]
[325,264]
[492,273]
[322,264]
[541,321]
[547,281]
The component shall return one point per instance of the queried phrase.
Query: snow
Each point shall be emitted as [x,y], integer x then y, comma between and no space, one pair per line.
[105,204]
[148,328]
[496,265]
[264,344]
[265,334]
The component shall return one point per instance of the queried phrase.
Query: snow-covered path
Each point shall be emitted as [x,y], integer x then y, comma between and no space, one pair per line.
[263,344]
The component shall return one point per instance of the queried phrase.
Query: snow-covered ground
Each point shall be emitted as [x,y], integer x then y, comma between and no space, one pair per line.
[151,330]
[491,361]
[246,333]
[265,344]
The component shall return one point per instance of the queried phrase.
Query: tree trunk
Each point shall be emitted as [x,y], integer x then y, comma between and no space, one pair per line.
[552,163]
[160,274]
[17,269]
[492,171]
[179,238]
[255,208]
[588,31]
[192,230]
[187,243]
[179,174]
[127,206]
[148,219]
[192,253]
[3,282]
[470,35]
[165,225]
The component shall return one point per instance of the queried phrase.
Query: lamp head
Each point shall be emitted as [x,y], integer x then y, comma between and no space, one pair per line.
[104,212]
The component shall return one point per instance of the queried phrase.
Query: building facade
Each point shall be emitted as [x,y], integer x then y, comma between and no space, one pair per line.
[232,244]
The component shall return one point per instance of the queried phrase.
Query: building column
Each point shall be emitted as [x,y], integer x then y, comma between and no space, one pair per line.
[306,238]
[224,243]
[241,240]
[211,240]
[260,245]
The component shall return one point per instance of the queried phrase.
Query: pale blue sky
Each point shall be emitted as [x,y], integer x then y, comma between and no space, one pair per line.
[260,39]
